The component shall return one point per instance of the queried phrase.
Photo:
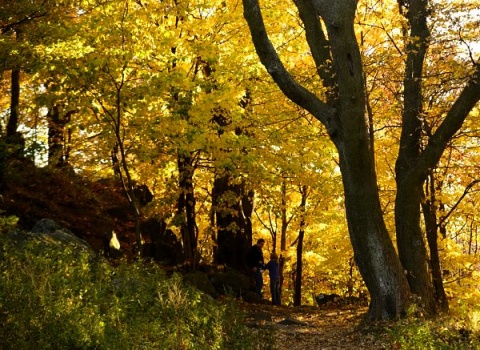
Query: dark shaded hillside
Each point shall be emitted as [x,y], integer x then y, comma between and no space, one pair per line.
[91,210]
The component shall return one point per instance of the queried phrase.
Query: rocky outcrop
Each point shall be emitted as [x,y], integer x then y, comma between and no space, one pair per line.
[53,234]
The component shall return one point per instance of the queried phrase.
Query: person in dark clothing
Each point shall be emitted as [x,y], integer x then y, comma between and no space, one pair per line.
[274,273]
[255,264]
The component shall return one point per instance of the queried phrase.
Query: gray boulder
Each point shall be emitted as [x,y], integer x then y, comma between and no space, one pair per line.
[231,282]
[53,234]
[200,281]
[51,230]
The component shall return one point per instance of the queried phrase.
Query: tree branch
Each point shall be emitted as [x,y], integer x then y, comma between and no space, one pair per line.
[465,192]
[11,26]
[457,114]
[318,43]
[269,58]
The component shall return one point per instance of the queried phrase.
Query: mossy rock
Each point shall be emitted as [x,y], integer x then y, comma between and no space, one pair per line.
[200,281]
[231,282]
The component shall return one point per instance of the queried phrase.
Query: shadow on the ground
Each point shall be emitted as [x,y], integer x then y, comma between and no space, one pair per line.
[310,327]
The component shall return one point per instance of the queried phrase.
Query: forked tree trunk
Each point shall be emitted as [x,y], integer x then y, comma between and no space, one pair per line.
[339,65]
[411,244]
[342,112]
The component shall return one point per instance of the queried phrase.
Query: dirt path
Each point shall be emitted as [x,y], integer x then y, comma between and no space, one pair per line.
[314,328]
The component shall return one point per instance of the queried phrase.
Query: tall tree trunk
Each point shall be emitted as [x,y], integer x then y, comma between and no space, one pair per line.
[283,235]
[410,237]
[186,209]
[374,253]
[14,139]
[413,162]
[431,227]
[297,296]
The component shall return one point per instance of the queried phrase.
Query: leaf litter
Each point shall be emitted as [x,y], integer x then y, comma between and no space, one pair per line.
[316,328]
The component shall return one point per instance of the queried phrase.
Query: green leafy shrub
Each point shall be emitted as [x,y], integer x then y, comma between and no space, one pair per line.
[54,298]
[444,332]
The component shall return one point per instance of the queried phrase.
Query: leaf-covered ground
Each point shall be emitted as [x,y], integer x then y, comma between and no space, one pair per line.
[309,327]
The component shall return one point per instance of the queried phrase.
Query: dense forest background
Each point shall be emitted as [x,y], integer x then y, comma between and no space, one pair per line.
[156,120]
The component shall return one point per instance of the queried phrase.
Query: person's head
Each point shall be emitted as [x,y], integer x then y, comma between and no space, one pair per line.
[261,242]
[274,256]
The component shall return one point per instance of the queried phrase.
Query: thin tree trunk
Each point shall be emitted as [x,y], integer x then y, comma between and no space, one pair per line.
[58,144]
[128,187]
[12,124]
[120,164]
[431,227]
[283,235]
[297,299]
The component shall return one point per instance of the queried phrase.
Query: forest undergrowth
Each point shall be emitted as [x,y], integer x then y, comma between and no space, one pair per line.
[51,299]
[54,298]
